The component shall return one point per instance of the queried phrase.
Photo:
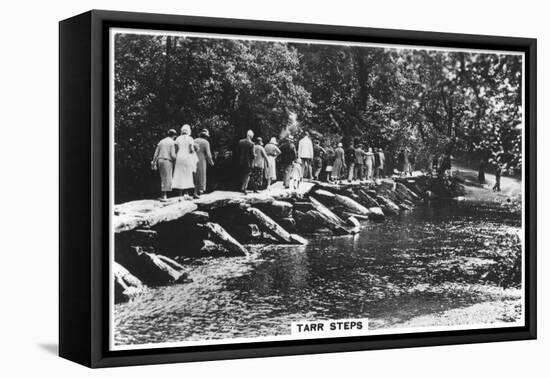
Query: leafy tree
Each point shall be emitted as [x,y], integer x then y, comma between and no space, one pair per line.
[430,101]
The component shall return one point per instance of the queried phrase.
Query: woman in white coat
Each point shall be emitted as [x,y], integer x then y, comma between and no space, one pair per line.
[186,162]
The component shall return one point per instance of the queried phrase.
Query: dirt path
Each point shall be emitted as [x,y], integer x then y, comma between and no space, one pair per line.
[511,187]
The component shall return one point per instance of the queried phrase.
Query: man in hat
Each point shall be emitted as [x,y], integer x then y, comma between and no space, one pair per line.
[246,157]
[359,161]
[163,161]
[288,156]
[318,158]
[202,146]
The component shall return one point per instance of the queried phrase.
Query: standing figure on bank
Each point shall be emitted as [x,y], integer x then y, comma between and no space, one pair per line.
[481,172]
[318,158]
[369,163]
[272,151]
[205,158]
[246,156]
[444,165]
[186,163]
[382,163]
[305,153]
[288,155]
[163,161]
[498,174]
[339,162]
[258,165]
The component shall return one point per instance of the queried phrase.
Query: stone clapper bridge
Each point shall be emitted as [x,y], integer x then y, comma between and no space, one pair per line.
[223,223]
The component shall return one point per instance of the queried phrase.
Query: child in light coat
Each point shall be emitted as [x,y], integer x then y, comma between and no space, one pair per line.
[296,174]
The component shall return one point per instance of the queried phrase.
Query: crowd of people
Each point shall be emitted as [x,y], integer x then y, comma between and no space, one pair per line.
[182,161]
[309,159]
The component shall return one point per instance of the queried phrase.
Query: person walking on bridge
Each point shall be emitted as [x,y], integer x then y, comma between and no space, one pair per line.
[369,163]
[305,153]
[381,163]
[246,156]
[318,158]
[339,162]
[186,162]
[350,159]
[288,156]
[272,151]
[359,162]
[205,158]
[258,165]
[163,161]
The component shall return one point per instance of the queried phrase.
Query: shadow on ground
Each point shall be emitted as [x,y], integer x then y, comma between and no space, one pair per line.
[51,348]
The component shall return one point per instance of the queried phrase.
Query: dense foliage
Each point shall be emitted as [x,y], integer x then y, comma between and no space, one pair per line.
[429,101]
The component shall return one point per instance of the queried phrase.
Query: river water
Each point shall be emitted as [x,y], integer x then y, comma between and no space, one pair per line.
[432,259]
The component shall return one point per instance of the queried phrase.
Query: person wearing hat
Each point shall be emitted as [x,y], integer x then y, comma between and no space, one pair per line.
[381,163]
[258,165]
[288,156]
[186,163]
[246,156]
[272,151]
[359,158]
[328,163]
[202,145]
[163,161]
[339,162]
[369,163]
[318,158]
[350,158]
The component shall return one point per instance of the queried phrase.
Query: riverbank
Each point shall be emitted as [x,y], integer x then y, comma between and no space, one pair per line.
[486,313]
[510,194]
[495,306]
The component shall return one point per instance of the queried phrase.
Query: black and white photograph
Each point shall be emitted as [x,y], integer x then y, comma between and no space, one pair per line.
[269,189]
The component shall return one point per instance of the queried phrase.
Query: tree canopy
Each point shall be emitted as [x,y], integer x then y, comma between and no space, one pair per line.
[425,100]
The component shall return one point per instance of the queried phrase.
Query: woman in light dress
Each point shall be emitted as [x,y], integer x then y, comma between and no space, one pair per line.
[272,152]
[186,163]
[369,163]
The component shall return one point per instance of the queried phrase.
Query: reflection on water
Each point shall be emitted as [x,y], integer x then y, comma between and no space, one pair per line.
[418,263]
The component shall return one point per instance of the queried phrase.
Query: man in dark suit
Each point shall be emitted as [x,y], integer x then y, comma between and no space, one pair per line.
[246,156]
[288,156]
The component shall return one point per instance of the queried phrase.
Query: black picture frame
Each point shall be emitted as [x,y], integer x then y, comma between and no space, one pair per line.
[84,193]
